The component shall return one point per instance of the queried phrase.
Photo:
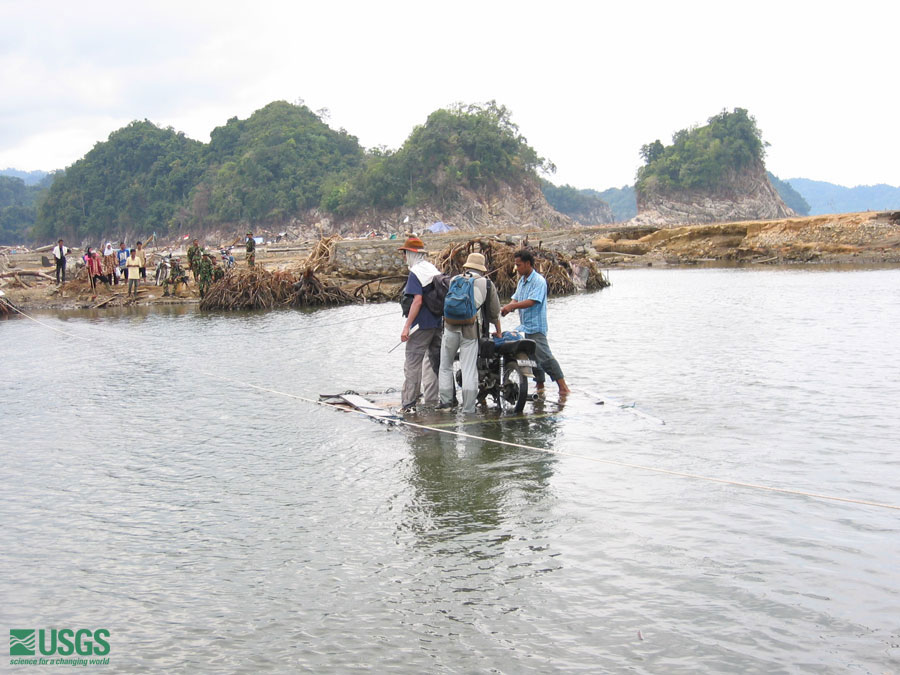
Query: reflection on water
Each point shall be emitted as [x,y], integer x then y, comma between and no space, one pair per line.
[215,526]
[463,485]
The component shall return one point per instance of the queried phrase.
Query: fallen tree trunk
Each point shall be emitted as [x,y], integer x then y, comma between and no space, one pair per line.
[42,275]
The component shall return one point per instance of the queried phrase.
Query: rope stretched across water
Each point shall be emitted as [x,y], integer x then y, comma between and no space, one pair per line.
[562,453]
[46,325]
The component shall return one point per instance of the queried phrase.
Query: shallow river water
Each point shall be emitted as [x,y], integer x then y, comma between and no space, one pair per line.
[166,478]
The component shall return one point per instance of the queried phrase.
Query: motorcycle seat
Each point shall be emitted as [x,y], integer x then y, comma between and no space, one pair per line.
[519,346]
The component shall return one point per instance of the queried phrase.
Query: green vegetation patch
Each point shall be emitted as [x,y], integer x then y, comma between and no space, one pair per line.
[702,157]
[280,162]
[472,146]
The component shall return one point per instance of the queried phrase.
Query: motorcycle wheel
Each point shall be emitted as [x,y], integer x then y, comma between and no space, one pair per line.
[160,275]
[513,389]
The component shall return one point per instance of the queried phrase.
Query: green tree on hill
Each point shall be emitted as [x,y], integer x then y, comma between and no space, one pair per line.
[272,165]
[472,146]
[572,201]
[134,181]
[702,157]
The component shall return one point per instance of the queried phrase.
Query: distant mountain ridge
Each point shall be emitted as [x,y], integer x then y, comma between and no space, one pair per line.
[28,177]
[824,197]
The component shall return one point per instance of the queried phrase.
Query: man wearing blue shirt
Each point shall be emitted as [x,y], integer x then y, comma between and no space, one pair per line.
[122,258]
[530,299]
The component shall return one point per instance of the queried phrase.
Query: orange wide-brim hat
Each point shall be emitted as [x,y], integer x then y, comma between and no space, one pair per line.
[413,244]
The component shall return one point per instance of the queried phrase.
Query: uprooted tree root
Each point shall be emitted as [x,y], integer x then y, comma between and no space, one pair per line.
[319,258]
[310,292]
[249,289]
[261,289]
[382,289]
[564,274]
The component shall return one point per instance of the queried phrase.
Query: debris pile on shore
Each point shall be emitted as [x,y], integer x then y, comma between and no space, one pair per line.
[14,278]
[564,274]
[249,289]
[382,289]
[319,258]
[260,289]
[310,292]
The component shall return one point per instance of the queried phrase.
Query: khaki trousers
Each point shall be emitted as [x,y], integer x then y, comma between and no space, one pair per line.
[423,358]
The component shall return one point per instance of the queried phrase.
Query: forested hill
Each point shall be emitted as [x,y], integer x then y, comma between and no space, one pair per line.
[714,173]
[278,164]
[586,207]
[702,158]
[18,205]
[145,179]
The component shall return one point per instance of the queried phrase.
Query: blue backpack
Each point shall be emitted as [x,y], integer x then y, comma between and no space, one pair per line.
[459,303]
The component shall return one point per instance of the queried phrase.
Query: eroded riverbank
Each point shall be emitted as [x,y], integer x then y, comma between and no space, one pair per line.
[870,238]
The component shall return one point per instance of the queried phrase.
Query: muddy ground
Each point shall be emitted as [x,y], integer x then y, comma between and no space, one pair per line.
[853,238]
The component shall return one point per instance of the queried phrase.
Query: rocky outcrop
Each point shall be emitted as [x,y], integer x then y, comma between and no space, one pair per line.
[743,195]
[601,214]
[509,208]
[850,237]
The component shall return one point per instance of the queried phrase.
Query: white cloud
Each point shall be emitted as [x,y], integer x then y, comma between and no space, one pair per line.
[587,85]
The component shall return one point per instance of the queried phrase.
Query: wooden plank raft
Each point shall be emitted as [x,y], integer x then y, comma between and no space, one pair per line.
[361,404]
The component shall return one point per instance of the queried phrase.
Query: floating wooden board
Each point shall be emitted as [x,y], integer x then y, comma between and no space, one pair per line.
[370,408]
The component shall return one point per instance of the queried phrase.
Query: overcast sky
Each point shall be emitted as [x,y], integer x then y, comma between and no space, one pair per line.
[588,83]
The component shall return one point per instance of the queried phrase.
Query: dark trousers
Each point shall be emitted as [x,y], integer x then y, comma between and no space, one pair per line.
[61,267]
[546,363]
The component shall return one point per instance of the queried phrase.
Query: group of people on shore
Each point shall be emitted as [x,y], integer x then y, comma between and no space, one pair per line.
[124,264]
[109,268]
[432,343]
[202,265]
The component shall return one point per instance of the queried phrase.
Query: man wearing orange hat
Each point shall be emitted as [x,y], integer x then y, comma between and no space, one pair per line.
[421,332]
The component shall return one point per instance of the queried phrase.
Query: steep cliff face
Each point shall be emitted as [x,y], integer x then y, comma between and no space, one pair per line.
[742,195]
[600,214]
[508,208]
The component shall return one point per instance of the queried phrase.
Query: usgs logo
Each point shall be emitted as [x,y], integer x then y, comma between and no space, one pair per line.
[62,642]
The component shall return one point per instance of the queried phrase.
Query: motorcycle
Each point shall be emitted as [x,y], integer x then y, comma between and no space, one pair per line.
[227,258]
[504,367]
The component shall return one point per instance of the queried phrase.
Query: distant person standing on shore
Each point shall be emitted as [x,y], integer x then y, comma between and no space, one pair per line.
[95,271]
[251,250]
[133,267]
[142,256]
[122,258]
[204,273]
[109,264]
[193,256]
[59,253]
